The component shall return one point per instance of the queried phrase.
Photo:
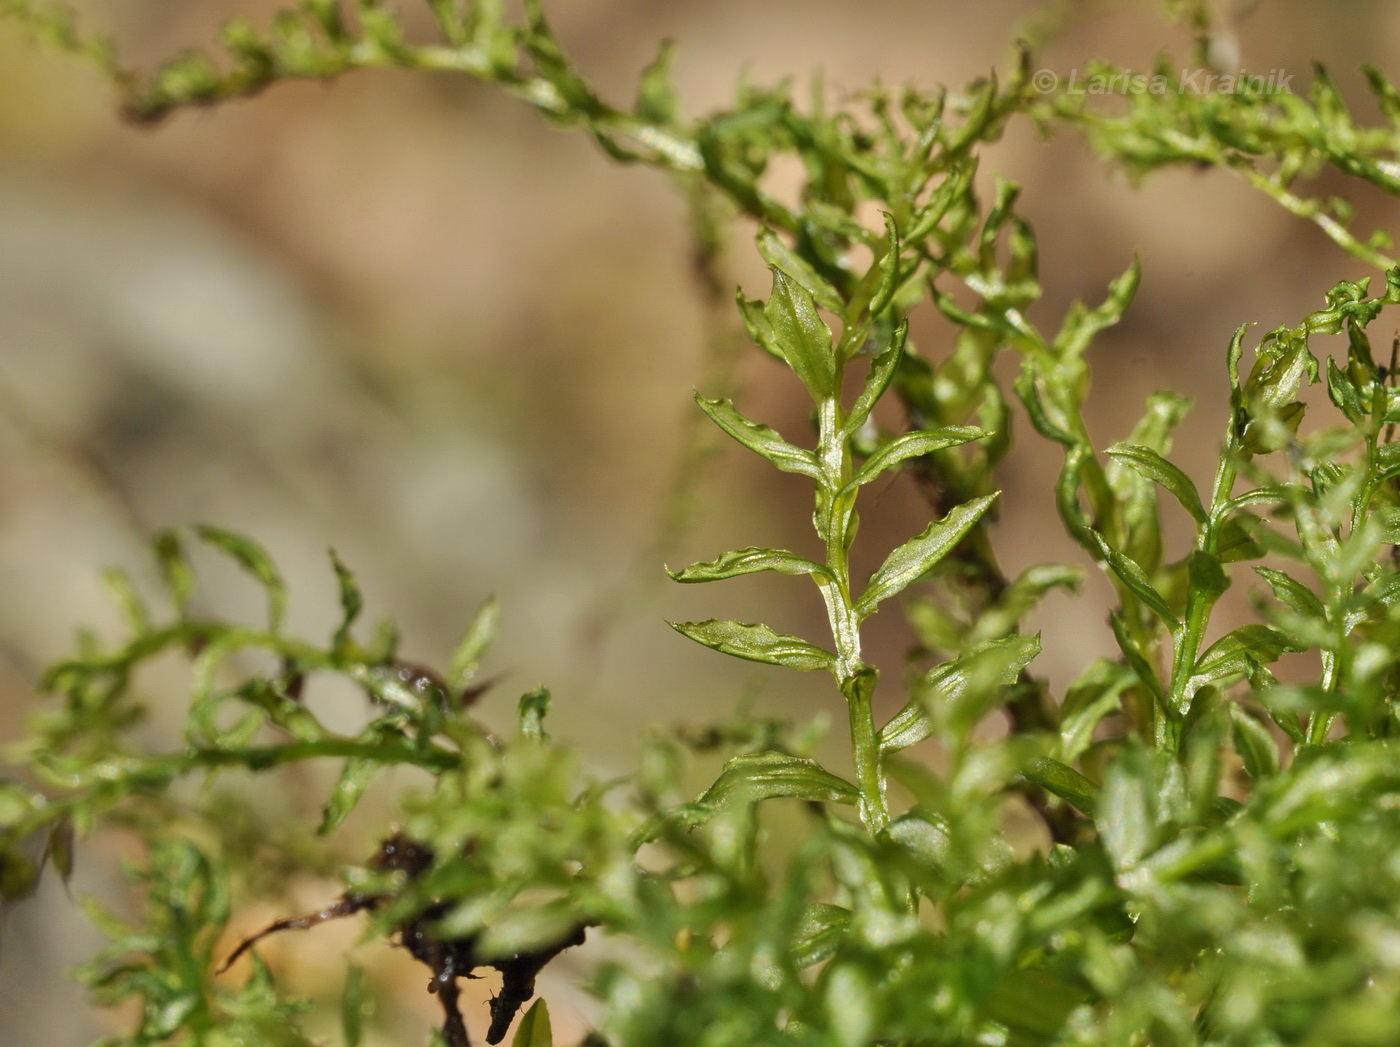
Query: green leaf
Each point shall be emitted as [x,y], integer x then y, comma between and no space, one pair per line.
[1132,576]
[534,707]
[924,836]
[882,370]
[760,439]
[782,258]
[1255,744]
[253,559]
[802,336]
[1205,576]
[553,65]
[355,778]
[250,52]
[759,329]
[754,777]
[383,644]
[920,554]
[1237,540]
[748,561]
[353,1006]
[1027,387]
[1137,660]
[1282,362]
[657,101]
[757,643]
[479,636]
[18,803]
[1386,522]
[1128,810]
[1065,782]
[937,627]
[58,848]
[380,25]
[175,568]
[328,17]
[1235,652]
[1034,1004]
[527,929]
[1271,428]
[492,36]
[351,603]
[534,1029]
[1344,394]
[1076,521]
[848,997]
[912,445]
[1017,600]
[888,269]
[1385,590]
[961,687]
[1293,594]
[1096,694]
[820,932]
[133,608]
[1152,466]
[1083,325]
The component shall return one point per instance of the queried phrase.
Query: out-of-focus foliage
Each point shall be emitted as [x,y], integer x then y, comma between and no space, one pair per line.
[1216,860]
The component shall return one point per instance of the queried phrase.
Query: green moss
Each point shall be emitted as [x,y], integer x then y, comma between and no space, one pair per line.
[1222,867]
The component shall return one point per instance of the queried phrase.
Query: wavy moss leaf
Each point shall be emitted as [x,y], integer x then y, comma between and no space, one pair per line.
[820,933]
[134,611]
[1134,579]
[1097,693]
[355,778]
[351,603]
[747,561]
[1084,325]
[782,258]
[1255,743]
[1065,782]
[920,554]
[887,270]
[175,568]
[760,439]
[477,639]
[756,643]
[534,707]
[945,692]
[882,370]
[801,335]
[754,777]
[912,445]
[1022,595]
[1236,652]
[1138,660]
[1293,594]
[1152,466]
[657,100]
[249,555]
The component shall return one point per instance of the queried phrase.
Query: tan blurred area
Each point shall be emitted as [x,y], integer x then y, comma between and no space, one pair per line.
[401,316]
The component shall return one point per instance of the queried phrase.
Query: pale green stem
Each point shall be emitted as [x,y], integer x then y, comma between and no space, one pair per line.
[865,746]
[833,520]
[1199,602]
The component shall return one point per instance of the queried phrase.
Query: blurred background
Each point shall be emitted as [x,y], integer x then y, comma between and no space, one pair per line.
[400,316]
